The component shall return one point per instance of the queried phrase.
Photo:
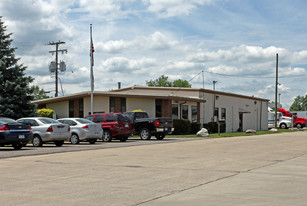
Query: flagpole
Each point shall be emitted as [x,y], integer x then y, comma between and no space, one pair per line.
[92,75]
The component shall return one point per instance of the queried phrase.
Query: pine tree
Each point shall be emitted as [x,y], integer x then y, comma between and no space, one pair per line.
[15,92]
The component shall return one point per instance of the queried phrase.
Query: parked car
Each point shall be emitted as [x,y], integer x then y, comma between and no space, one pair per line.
[145,126]
[47,130]
[83,130]
[114,125]
[14,133]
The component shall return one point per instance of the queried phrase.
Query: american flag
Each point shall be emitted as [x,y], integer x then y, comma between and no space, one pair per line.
[92,52]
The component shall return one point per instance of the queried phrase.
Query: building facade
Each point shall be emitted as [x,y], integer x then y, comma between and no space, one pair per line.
[238,112]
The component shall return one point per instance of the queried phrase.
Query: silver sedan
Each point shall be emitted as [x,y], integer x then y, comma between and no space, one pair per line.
[83,130]
[47,130]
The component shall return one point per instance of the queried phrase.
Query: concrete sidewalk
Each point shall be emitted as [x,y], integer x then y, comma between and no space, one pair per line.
[256,170]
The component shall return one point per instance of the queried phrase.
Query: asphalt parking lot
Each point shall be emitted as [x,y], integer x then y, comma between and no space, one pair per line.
[255,170]
[50,148]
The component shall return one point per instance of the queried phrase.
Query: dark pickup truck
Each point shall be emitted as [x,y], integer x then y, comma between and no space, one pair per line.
[145,126]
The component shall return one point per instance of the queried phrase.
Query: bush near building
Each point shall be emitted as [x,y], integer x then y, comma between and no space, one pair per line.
[45,112]
[181,126]
[195,127]
[212,127]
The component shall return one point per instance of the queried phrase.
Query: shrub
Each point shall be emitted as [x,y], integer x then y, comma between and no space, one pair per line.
[212,127]
[45,112]
[195,127]
[181,126]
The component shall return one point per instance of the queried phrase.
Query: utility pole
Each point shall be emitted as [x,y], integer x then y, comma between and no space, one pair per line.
[214,96]
[276,86]
[57,50]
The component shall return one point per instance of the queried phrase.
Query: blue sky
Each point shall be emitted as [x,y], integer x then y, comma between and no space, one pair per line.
[232,42]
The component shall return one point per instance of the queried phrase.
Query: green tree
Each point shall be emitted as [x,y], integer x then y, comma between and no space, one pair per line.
[163,81]
[299,104]
[15,92]
[39,93]
[160,82]
[181,83]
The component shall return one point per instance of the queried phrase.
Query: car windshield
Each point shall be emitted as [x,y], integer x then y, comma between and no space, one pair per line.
[48,120]
[7,120]
[83,121]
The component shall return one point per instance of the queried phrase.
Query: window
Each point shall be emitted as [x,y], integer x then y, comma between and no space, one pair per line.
[71,108]
[98,118]
[90,118]
[122,104]
[185,111]
[112,104]
[111,118]
[158,107]
[194,113]
[223,114]
[216,113]
[175,111]
[81,114]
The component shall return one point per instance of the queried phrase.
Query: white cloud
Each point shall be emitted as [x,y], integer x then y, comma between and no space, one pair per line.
[125,65]
[171,8]
[156,41]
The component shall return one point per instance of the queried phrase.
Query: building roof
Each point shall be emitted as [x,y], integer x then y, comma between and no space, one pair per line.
[128,92]
[174,90]
[116,94]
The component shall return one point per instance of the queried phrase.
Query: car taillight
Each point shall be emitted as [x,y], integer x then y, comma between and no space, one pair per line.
[49,129]
[85,127]
[157,123]
[4,128]
[30,128]
[69,129]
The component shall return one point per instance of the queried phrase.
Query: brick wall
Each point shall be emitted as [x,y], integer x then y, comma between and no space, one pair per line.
[166,108]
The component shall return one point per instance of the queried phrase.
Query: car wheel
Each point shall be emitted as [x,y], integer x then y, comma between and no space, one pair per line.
[37,141]
[92,141]
[160,136]
[145,134]
[74,139]
[283,126]
[17,146]
[299,126]
[107,136]
[59,143]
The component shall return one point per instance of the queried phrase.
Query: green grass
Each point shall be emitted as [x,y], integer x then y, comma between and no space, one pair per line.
[233,134]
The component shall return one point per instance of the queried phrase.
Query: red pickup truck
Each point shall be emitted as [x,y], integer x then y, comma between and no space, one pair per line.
[298,122]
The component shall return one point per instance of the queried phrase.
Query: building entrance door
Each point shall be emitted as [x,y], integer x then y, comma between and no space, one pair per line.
[240,122]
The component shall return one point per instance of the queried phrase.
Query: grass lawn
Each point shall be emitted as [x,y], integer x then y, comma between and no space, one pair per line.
[233,134]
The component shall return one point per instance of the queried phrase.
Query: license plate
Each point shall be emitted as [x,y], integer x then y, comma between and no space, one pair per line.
[126,125]
[21,136]
[166,129]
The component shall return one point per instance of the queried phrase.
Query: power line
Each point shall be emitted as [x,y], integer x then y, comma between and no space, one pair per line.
[232,75]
